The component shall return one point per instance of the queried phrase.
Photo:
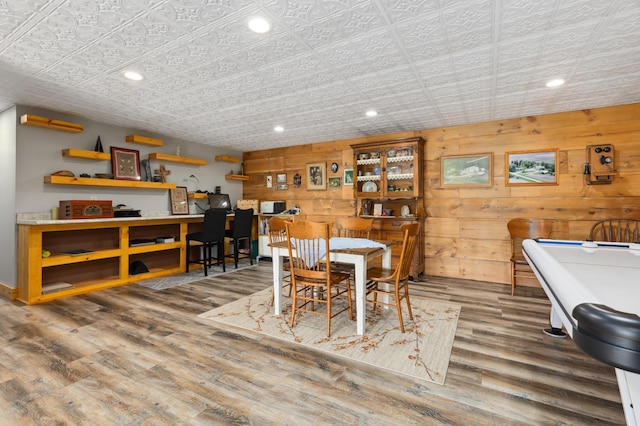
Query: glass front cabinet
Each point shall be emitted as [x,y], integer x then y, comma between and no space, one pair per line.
[388,186]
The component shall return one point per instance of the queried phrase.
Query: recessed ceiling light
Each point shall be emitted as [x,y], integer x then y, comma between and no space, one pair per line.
[259,25]
[371,113]
[555,82]
[132,75]
[279,129]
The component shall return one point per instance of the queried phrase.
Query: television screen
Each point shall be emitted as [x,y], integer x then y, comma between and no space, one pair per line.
[220,201]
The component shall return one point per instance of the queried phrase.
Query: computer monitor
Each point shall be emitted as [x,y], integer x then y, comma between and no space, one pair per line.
[220,201]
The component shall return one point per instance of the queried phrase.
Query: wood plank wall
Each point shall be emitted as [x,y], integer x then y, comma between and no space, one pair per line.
[465,233]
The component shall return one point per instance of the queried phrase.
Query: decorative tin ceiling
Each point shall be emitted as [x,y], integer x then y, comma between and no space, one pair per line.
[419,63]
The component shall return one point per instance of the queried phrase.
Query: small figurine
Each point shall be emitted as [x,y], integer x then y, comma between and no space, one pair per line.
[98,147]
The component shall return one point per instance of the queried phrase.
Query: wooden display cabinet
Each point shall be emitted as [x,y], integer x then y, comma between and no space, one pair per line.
[389,174]
[96,254]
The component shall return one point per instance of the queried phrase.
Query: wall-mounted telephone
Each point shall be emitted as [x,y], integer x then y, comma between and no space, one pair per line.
[600,166]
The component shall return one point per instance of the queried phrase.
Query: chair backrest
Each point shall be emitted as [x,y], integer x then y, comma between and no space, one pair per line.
[242,223]
[615,230]
[354,227]
[409,243]
[521,229]
[277,230]
[215,222]
[310,240]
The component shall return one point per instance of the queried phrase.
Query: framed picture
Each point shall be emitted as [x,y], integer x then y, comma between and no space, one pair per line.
[536,167]
[281,178]
[334,182]
[125,163]
[467,170]
[316,176]
[179,200]
[348,177]
[282,186]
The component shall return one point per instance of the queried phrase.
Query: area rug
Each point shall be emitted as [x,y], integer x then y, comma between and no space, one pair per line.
[422,352]
[175,280]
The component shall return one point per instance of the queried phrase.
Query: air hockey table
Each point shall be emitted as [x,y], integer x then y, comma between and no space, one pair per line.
[594,289]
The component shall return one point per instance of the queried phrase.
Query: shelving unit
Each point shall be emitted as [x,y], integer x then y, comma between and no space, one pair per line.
[177,159]
[66,180]
[227,159]
[47,123]
[263,237]
[81,153]
[197,195]
[390,173]
[109,256]
[144,140]
[236,177]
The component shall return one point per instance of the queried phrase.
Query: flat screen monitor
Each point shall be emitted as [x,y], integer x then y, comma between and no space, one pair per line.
[220,201]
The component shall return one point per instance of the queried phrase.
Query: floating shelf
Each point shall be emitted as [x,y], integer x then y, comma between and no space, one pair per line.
[65,180]
[177,159]
[81,153]
[47,123]
[227,159]
[198,195]
[236,177]
[144,140]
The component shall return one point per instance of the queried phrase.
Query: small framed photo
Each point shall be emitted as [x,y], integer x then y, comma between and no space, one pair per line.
[179,200]
[536,167]
[282,186]
[348,177]
[125,163]
[334,182]
[466,170]
[316,176]
[281,178]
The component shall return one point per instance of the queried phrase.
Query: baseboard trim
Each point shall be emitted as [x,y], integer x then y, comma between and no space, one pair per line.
[7,292]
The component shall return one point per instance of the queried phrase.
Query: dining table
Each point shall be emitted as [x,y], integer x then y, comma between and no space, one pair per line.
[359,254]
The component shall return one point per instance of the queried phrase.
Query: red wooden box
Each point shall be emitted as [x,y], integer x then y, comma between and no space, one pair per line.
[85,209]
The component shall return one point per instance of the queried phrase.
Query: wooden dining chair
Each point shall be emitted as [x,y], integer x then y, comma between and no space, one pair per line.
[277,232]
[354,226]
[313,282]
[396,280]
[519,230]
[615,230]
[212,235]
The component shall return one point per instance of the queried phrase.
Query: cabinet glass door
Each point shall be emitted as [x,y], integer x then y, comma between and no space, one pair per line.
[399,172]
[368,172]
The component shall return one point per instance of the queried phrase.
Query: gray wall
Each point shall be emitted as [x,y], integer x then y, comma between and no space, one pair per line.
[8,272]
[37,153]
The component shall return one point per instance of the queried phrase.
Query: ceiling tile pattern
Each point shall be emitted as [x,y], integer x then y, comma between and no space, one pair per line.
[419,63]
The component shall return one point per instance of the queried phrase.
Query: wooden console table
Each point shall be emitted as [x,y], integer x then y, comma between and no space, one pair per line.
[93,254]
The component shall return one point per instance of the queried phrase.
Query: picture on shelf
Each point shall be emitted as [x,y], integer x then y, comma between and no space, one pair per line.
[179,200]
[125,163]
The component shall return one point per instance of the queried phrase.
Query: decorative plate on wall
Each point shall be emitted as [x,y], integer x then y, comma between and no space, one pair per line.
[370,187]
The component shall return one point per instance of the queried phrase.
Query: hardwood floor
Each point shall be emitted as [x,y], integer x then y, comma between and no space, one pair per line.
[131,355]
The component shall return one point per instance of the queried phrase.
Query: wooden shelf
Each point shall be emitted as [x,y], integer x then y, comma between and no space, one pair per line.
[236,177]
[47,123]
[227,159]
[177,159]
[81,153]
[197,195]
[65,180]
[144,140]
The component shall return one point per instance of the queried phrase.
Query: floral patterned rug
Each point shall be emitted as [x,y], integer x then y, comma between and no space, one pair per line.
[422,352]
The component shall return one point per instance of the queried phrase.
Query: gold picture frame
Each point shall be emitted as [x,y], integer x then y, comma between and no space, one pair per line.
[534,167]
[179,200]
[316,176]
[474,170]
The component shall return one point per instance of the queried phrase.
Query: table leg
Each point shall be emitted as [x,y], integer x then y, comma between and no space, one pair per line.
[277,280]
[361,294]
[555,320]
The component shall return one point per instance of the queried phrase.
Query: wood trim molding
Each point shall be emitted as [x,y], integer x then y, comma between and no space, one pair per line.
[8,292]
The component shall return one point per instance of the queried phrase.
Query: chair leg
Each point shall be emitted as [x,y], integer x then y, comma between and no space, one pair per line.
[328,312]
[406,296]
[399,309]
[220,250]
[235,253]
[513,278]
[187,255]
[294,302]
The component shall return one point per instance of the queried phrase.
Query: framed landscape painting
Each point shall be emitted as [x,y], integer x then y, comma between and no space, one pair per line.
[536,167]
[466,170]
